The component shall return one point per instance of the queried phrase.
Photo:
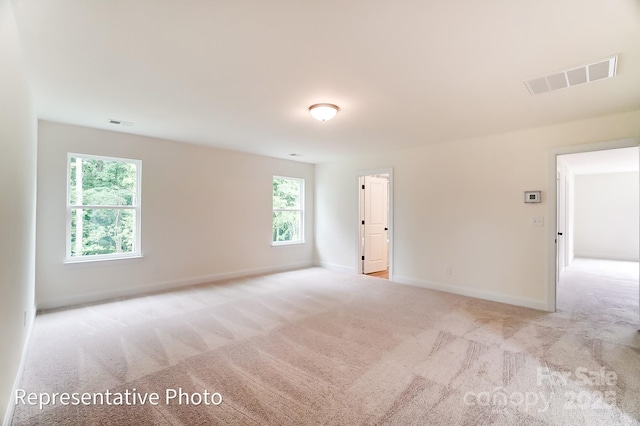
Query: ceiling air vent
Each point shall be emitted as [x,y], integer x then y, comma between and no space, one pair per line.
[121,123]
[573,76]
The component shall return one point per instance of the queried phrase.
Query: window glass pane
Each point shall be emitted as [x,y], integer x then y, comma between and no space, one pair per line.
[102,231]
[286,226]
[101,182]
[286,193]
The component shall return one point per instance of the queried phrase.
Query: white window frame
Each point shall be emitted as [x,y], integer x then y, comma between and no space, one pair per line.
[301,210]
[136,207]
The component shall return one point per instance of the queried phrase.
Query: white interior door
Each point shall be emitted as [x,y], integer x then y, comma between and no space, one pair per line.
[561,220]
[376,248]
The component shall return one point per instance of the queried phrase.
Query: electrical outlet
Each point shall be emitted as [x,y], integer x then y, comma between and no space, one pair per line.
[537,221]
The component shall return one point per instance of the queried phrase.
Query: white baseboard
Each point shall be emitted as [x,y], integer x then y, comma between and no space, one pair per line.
[606,257]
[335,267]
[8,412]
[470,292]
[165,285]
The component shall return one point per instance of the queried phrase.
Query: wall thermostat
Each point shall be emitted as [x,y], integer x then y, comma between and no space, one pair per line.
[532,196]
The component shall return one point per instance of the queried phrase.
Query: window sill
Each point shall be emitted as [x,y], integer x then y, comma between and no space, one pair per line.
[96,259]
[287,243]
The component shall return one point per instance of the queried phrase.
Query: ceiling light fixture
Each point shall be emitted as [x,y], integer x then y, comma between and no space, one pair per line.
[323,112]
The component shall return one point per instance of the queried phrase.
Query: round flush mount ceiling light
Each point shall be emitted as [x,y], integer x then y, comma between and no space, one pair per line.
[323,112]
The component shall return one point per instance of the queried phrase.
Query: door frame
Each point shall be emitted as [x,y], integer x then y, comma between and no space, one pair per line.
[358,251]
[552,208]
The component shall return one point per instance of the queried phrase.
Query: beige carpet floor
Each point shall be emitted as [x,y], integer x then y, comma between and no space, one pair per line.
[320,347]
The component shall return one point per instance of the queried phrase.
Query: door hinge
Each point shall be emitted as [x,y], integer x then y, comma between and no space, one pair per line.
[362,257]
[363,222]
[362,186]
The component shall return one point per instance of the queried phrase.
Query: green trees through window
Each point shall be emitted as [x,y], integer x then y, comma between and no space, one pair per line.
[103,207]
[288,199]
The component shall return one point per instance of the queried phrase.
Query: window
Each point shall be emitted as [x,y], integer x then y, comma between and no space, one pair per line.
[288,217]
[103,207]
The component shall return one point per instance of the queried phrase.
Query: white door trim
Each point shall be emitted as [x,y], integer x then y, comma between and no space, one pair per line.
[552,207]
[359,174]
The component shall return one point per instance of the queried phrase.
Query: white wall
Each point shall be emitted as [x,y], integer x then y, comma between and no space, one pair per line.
[460,204]
[606,216]
[206,215]
[17,206]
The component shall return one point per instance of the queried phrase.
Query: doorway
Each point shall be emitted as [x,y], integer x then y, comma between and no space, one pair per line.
[596,202]
[374,223]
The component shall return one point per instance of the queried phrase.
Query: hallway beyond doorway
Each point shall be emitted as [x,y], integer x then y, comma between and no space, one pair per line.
[606,291]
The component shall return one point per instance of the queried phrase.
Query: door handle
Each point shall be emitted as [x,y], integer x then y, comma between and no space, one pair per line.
[386,229]
[559,233]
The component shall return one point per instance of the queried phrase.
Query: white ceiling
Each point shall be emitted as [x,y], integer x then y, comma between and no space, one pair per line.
[609,161]
[240,74]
